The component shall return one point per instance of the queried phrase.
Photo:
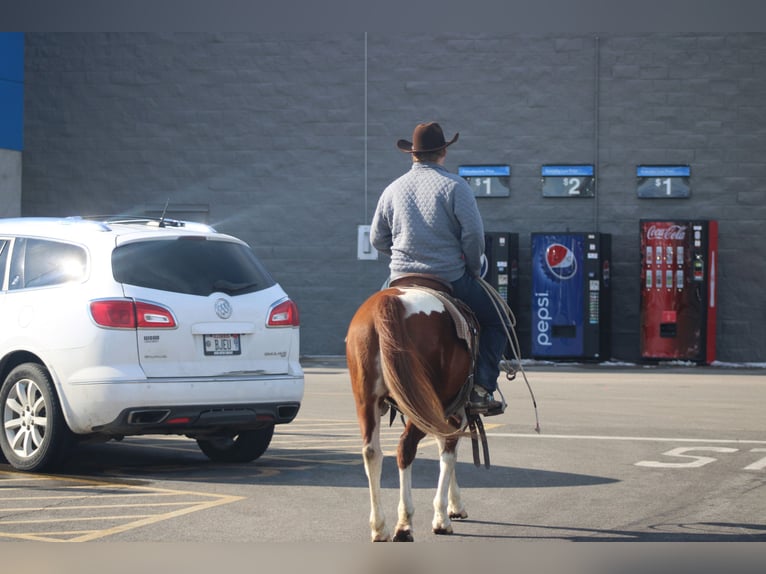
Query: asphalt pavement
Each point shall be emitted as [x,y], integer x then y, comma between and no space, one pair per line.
[625,454]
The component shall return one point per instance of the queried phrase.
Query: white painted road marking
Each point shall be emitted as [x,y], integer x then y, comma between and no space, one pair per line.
[629,438]
[696,462]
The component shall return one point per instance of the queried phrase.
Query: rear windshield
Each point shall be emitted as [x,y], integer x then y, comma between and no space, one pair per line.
[190,265]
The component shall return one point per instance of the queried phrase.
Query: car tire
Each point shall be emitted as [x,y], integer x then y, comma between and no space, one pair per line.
[34,435]
[245,446]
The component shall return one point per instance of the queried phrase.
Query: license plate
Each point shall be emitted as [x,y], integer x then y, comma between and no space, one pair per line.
[221,344]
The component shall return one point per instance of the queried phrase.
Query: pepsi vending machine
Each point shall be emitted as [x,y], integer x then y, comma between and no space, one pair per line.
[571,296]
[678,291]
[500,268]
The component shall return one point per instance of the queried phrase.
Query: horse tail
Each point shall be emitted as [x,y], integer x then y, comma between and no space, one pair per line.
[404,372]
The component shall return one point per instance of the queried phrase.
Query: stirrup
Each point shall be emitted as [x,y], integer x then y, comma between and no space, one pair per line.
[485,411]
[493,408]
[487,405]
[497,411]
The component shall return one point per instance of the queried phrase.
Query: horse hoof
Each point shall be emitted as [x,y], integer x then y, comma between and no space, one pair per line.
[442,530]
[403,536]
[462,515]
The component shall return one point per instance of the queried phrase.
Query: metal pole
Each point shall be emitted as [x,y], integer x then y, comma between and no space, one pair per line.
[596,103]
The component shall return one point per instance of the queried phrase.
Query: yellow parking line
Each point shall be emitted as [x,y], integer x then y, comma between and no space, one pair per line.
[76,519]
[153,520]
[90,507]
[91,496]
[128,521]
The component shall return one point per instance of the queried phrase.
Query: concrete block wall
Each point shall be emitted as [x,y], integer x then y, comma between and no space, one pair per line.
[287,142]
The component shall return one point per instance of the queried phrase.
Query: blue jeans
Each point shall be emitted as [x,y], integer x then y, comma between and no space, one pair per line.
[492,339]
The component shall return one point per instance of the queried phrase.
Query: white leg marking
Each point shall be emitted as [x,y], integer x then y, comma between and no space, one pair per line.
[373,466]
[441,523]
[406,506]
[455,508]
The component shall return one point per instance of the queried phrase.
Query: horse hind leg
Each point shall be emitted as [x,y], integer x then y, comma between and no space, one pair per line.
[373,467]
[403,530]
[447,502]
[365,381]
[408,444]
[455,506]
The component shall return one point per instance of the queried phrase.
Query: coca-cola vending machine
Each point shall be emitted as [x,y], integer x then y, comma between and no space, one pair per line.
[678,289]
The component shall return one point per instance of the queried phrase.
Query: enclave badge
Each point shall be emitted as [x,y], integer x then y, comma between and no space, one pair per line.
[223,308]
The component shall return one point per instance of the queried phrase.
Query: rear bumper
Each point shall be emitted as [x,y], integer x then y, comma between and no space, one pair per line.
[129,407]
[198,420]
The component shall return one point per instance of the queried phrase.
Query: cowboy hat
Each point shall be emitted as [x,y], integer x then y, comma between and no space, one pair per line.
[426,137]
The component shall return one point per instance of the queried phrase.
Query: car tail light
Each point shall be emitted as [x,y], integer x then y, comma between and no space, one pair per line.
[151,316]
[284,314]
[129,314]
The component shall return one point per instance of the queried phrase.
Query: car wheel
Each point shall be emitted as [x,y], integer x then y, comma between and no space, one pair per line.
[34,434]
[244,446]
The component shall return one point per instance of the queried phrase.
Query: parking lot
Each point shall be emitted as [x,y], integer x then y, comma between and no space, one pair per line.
[651,454]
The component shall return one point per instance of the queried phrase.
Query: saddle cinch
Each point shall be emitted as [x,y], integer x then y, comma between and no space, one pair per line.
[467,328]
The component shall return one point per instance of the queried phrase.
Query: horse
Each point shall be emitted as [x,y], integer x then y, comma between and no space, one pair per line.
[402,346]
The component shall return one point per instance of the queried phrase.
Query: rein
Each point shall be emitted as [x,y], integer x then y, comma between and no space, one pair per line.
[504,311]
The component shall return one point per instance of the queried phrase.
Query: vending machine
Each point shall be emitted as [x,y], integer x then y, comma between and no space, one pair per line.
[678,290]
[571,296]
[500,267]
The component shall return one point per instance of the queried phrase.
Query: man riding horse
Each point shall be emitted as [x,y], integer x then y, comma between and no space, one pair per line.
[428,222]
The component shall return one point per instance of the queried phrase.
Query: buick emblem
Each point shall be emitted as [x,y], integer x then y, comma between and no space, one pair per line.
[223,308]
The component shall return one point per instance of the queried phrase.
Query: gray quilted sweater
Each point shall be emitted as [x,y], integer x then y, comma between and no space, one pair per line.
[427,221]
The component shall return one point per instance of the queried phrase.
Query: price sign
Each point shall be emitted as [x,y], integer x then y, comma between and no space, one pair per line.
[568,181]
[663,181]
[487,180]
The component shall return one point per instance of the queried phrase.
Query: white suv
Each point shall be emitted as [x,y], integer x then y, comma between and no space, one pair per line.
[129,326]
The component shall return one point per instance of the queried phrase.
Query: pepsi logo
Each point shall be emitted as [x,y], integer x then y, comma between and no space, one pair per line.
[560,261]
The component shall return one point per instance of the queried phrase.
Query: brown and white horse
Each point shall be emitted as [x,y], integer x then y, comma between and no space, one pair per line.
[402,344]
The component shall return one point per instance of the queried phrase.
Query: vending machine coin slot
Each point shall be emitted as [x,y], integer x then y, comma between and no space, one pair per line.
[698,268]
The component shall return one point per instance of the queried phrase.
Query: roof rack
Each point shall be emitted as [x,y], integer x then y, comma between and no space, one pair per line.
[146,220]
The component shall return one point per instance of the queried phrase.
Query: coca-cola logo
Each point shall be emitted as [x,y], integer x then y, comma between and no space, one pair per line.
[676,232]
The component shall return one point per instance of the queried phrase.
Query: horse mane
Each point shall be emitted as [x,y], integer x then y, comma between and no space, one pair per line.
[404,373]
